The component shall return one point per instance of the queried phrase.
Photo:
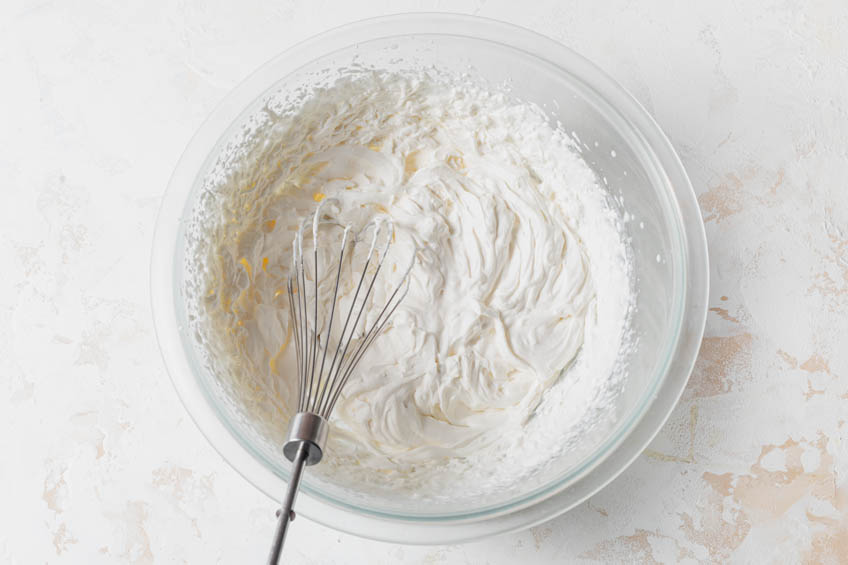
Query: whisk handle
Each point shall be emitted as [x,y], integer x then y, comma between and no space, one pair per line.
[286,515]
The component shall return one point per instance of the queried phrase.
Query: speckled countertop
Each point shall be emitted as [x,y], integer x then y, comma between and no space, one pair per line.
[100,464]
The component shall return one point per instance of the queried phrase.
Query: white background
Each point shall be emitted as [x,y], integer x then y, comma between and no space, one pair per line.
[100,464]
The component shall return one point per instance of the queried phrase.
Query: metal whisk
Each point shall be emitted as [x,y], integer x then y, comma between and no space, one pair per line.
[321,377]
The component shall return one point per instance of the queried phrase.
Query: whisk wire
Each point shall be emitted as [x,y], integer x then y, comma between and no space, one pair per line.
[333,376]
[330,323]
[312,395]
[297,343]
[304,322]
[366,342]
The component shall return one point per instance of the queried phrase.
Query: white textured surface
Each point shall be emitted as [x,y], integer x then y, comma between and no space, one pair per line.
[100,463]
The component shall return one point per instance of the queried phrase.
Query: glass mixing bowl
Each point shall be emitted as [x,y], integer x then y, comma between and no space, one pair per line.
[623,145]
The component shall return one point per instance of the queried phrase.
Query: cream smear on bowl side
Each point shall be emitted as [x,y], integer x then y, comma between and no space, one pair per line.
[503,354]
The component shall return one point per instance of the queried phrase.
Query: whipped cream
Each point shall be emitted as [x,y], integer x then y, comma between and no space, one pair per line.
[505,348]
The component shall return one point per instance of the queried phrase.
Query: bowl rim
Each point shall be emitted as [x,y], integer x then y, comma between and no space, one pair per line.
[543,503]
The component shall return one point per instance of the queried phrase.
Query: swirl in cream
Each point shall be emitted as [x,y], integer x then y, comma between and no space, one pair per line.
[504,217]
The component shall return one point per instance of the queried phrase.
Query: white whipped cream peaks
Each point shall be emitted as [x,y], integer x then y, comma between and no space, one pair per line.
[504,349]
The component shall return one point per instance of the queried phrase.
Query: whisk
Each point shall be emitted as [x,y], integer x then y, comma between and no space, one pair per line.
[321,377]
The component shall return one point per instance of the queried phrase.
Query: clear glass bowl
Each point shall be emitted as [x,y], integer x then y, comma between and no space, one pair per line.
[621,143]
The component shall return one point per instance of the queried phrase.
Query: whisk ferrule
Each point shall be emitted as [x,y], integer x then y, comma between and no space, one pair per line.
[310,429]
